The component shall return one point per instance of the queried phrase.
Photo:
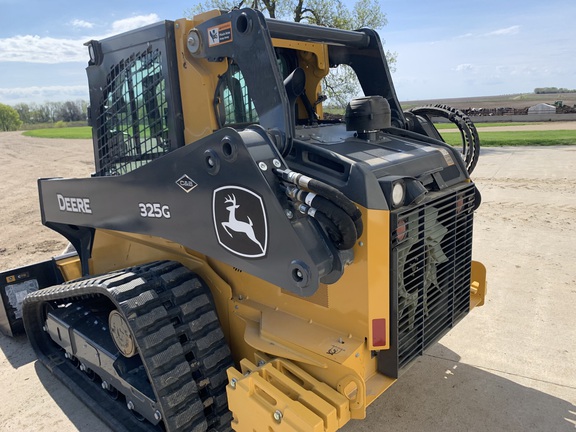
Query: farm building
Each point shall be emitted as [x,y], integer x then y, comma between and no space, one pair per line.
[542,108]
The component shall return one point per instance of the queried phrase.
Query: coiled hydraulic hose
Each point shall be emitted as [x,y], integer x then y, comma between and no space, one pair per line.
[338,223]
[468,132]
[325,190]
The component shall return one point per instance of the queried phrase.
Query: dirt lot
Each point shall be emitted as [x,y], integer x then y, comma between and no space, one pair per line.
[509,366]
[512,101]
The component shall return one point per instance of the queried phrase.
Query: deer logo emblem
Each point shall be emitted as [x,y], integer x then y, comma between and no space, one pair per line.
[239,226]
[240,221]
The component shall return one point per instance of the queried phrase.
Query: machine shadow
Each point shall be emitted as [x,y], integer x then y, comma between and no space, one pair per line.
[17,350]
[434,395]
[440,394]
[80,415]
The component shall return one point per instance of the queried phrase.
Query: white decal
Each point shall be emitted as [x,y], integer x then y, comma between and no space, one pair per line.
[154,210]
[74,205]
[239,226]
[186,183]
[240,221]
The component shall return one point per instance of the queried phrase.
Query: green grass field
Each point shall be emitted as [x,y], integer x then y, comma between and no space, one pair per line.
[518,138]
[84,132]
[441,126]
[487,139]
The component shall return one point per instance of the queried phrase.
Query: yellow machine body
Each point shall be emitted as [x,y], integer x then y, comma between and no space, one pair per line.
[302,363]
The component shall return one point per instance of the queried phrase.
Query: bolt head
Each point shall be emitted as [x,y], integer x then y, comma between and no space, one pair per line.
[158,415]
[105,385]
[130,405]
[278,416]
[233,383]
[263,166]
[288,213]
[277,163]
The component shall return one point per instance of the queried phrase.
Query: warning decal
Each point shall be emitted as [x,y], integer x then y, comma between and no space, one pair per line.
[220,34]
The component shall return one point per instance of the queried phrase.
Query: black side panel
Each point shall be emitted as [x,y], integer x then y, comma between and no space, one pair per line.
[136,113]
[15,284]
[213,197]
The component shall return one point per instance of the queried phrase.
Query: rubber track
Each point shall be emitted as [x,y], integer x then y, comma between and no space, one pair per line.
[178,335]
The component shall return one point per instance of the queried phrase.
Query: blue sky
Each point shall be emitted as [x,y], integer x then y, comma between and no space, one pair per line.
[445,48]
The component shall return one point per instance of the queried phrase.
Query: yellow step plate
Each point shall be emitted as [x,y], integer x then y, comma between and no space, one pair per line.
[279,396]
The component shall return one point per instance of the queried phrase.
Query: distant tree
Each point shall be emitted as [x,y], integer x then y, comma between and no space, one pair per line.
[549,90]
[341,84]
[71,111]
[9,119]
[23,110]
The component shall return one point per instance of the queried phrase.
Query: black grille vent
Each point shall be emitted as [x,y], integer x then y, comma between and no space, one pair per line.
[430,257]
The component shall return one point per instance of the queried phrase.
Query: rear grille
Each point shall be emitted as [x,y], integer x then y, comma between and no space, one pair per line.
[430,258]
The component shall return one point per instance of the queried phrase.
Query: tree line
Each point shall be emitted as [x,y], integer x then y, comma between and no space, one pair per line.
[549,90]
[13,117]
[52,112]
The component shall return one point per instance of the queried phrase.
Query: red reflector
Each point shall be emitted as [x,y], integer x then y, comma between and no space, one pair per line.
[379,332]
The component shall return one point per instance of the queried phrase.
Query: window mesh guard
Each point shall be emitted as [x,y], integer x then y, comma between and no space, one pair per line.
[133,127]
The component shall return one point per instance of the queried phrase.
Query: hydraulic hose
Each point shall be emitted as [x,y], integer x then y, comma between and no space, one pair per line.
[328,192]
[339,217]
[468,131]
[338,225]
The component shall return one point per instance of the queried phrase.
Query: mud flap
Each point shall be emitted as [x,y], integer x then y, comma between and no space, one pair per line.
[15,284]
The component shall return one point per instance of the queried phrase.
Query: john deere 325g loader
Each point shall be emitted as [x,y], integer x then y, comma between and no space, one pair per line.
[240,261]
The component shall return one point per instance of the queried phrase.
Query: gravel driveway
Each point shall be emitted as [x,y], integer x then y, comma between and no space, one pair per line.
[509,366]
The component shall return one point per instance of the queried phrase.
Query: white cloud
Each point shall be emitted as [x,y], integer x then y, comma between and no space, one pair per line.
[41,94]
[505,31]
[78,23]
[464,67]
[134,22]
[36,49]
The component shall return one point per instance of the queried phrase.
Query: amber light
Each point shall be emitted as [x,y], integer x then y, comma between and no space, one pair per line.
[459,204]
[379,332]
[401,229]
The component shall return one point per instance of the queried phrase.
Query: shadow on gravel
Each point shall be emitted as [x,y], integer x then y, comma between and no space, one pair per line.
[439,395]
[434,395]
[17,350]
[78,413]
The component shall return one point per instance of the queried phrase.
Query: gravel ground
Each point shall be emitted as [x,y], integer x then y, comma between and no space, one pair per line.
[510,365]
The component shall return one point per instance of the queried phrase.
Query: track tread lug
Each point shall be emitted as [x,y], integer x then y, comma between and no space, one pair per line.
[172,318]
[173,376]
[158,339]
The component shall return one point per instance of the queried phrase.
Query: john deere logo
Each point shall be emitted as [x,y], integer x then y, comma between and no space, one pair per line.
[240,221]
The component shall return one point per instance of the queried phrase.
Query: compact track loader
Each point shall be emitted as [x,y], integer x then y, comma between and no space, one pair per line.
[239,261]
